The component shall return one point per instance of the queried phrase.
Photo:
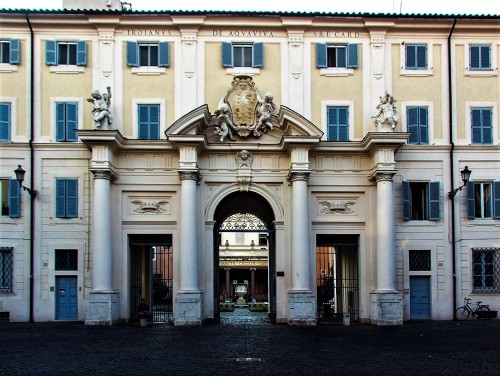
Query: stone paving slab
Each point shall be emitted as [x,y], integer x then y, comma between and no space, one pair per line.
[427,347]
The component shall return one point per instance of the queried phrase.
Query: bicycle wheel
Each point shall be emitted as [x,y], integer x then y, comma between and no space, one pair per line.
[462,313]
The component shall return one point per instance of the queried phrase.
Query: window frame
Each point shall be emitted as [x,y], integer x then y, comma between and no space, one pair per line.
[52,52]
[482,127]
[338,137]
[6,287]
[133,57]
[53,115]
[472,199]
[405,117]
[405,71]
[66,204]
[351,59]
[480,48]
[5,124]
[135,115]
[64,130]
[227,60]
[430,200]
[324,118]
[481,72]
[483,273]
[13,51]
[469,106]
[12,195]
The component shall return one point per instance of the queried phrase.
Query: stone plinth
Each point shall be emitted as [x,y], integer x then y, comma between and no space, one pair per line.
[301,308]
[102,308]
[386,308]
[188,308]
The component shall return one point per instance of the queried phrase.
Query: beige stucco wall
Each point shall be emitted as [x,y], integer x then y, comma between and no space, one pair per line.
[268,80]
[348,88]
[147,86]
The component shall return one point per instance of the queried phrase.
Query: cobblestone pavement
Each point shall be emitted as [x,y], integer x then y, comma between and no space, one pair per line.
[249,346]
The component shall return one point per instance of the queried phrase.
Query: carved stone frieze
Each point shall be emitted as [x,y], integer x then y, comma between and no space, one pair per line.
[337,206]
[150,206]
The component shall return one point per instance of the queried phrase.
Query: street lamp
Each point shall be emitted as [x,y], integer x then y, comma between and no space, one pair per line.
[465,173]
[20,178]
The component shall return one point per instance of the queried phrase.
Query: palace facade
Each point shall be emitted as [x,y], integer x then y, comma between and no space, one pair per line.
[314,158]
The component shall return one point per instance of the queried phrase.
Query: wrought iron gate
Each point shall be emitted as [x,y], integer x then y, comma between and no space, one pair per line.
[337,277]
[151,268]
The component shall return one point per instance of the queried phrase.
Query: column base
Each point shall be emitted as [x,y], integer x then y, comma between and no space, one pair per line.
[102,308]
[301,308]
[386,308]
[188,308]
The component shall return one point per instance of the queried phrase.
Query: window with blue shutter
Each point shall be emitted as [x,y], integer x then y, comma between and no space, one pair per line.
[483,200]
[66,198]
[5,124]
[65,53]
[149,121]
[148,54]
[482,128]
[417,125]
[336,55]
[352,55]
[164,54]
[480,57]
[14,51]
[242,55]
[51,52]
[227,54]
[81,52]
[66,121]
[14,191]
[132,54]
[258,55]
[416,56]
[421,201]
[321,60]
[337,123]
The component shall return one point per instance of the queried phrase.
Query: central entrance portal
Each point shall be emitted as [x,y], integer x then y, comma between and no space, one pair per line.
[244,257]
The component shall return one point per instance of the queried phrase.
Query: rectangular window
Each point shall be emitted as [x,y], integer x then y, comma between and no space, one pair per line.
[66,52]
[419,260]
[418,125]
[482,127]
[66,198]
[149,121]
[148,54]
[66,121]
[338,123]
[242,55]
[263,239]
[9,51]
[416,56]
[336,55]
[6,269]
[421,201]
[479,57]
[483,200]
[5,121]
[11,198]
[66,259]
[485,269]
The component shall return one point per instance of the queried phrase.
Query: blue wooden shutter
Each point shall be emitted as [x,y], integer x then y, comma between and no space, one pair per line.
[410,56]
[164,54]
[434,201]
[332,124]
[343,124]
[4,122]
[487,135]
[71,121]
[406,201]
[71,198]
[227,54]
[421,57]
[423,117]
[51,52]
[14,51]
[258,55]
[60,198]
[321,61]
[474,57]
[60,121]
[471,210]
[352,55]
[154,122]
[476,126]
[485,57]
[412,124]
[14,199]
[143,115]
[81,52]
[132,54]
[496,199]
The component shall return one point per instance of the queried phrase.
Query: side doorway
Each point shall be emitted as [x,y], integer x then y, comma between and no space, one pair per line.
[66,298]
[420,298]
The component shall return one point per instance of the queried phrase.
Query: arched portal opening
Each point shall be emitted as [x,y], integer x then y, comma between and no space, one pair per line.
[244,255]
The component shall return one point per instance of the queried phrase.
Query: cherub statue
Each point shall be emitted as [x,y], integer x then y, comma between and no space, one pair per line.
[386,114]
[223,122]
[264,111]
[100,108]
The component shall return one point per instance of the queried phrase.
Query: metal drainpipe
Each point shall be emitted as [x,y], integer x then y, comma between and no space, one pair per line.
[452,169]
[32,169]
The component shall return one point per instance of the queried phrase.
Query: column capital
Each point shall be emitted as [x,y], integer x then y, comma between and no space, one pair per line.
[382,176]
[103,174]
[298,175]
[189,175]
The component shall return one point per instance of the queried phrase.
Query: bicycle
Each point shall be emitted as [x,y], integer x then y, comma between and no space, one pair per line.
[464,312]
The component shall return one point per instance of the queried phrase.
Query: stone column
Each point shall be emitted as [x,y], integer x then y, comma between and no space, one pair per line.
[252,282]
[386,302]
[102,302]
[301,302]
[188,301]
[229,292]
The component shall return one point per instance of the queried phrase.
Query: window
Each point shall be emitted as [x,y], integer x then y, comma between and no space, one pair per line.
[148,54]
[416,56]
[263,239]
[419,260]
[149,121]
[66,198]
[242,55]
[66,121]
[9,51]
[418,125]
[421,201]
[338,123]
[479,57]
[5,122]
[337,55]
[483,200]
[11,198]
[485,269]
[66,53]
[6,269]
[482,127]
[66,259]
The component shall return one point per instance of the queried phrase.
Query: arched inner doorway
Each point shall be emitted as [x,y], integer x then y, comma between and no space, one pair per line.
[244,255]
